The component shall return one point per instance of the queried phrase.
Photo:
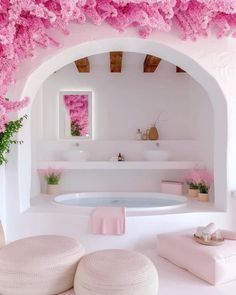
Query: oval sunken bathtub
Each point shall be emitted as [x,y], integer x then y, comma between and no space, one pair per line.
[132,201]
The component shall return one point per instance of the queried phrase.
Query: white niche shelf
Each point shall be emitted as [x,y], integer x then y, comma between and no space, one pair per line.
[126,165]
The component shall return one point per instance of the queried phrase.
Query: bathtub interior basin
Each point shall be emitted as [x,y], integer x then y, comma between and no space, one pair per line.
[75,155]
[129,200]
[156,155]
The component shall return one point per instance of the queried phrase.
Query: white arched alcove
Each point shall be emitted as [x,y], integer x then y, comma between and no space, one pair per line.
[191,57]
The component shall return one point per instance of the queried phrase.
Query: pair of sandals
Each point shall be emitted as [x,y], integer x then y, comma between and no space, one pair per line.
[211,233]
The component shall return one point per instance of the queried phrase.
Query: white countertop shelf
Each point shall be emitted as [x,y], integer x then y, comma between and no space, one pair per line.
[126,165]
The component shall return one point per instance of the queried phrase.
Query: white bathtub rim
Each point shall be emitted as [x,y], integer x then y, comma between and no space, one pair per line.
[58,199]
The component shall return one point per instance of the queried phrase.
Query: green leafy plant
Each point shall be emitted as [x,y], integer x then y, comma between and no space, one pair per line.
[75,130]
[52,179]
[51,175]
[192,185]
[203,188]
[6,137]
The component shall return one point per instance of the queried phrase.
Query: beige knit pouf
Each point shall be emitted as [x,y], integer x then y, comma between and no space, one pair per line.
[41,265]
[116,272]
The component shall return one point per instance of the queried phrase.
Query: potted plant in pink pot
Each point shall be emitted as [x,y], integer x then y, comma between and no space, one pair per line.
[52,177]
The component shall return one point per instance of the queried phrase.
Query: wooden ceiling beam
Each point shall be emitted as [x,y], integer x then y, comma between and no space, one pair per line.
[151,63]
[179,70]
[83,65]
[116,61]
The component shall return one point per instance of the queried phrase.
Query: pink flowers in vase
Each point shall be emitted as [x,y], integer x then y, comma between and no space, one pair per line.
[51,175]
[199,182]
[205,182]
[192,179]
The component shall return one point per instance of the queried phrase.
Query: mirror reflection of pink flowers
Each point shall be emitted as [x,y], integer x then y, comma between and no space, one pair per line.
[77,106]
[200,179]
[51,175]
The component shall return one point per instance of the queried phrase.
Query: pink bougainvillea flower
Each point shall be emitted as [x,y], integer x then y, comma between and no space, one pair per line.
[12,106]
[25,24]
[7,106]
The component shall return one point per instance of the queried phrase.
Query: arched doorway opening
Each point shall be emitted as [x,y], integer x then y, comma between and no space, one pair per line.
[172,55]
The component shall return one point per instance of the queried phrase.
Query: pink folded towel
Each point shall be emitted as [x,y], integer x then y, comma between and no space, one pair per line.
[108,221]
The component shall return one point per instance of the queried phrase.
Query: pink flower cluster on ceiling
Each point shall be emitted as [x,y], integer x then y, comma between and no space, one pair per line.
[77,106]
[24,24]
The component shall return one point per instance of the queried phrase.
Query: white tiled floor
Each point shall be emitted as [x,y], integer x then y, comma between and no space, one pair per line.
[176,281]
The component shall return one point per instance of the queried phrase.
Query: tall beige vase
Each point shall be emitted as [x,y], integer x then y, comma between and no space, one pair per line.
[153,133]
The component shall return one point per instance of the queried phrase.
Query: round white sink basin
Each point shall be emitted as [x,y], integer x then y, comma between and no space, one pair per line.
[76,155]
[156,155]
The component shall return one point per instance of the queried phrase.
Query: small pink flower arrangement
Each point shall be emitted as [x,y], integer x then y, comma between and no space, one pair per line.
[51,175]
[199,179]
[206,179]
[192,178]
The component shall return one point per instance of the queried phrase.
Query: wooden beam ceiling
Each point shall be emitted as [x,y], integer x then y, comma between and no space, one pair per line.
[149,66]
[150,63]
[179,70]
[116,61]
[83,65]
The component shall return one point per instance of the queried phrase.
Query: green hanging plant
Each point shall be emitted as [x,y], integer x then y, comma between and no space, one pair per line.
[6,137]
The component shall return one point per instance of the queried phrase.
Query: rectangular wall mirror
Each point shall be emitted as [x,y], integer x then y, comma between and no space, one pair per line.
[75,114]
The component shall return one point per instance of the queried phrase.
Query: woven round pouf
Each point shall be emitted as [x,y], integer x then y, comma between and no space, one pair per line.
[116,272]
[41,265]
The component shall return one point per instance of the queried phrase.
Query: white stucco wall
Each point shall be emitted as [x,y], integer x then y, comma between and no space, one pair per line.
[123,102]
[211,62]
[129,100]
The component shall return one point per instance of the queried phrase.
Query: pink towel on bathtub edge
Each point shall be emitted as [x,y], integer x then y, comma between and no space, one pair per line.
[108,221]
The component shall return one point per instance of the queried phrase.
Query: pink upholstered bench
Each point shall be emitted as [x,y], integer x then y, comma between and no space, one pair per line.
[214,264]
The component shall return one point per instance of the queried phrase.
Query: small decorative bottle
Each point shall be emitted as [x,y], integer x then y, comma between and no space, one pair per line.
[119,157]
[144,135]
[138,134]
